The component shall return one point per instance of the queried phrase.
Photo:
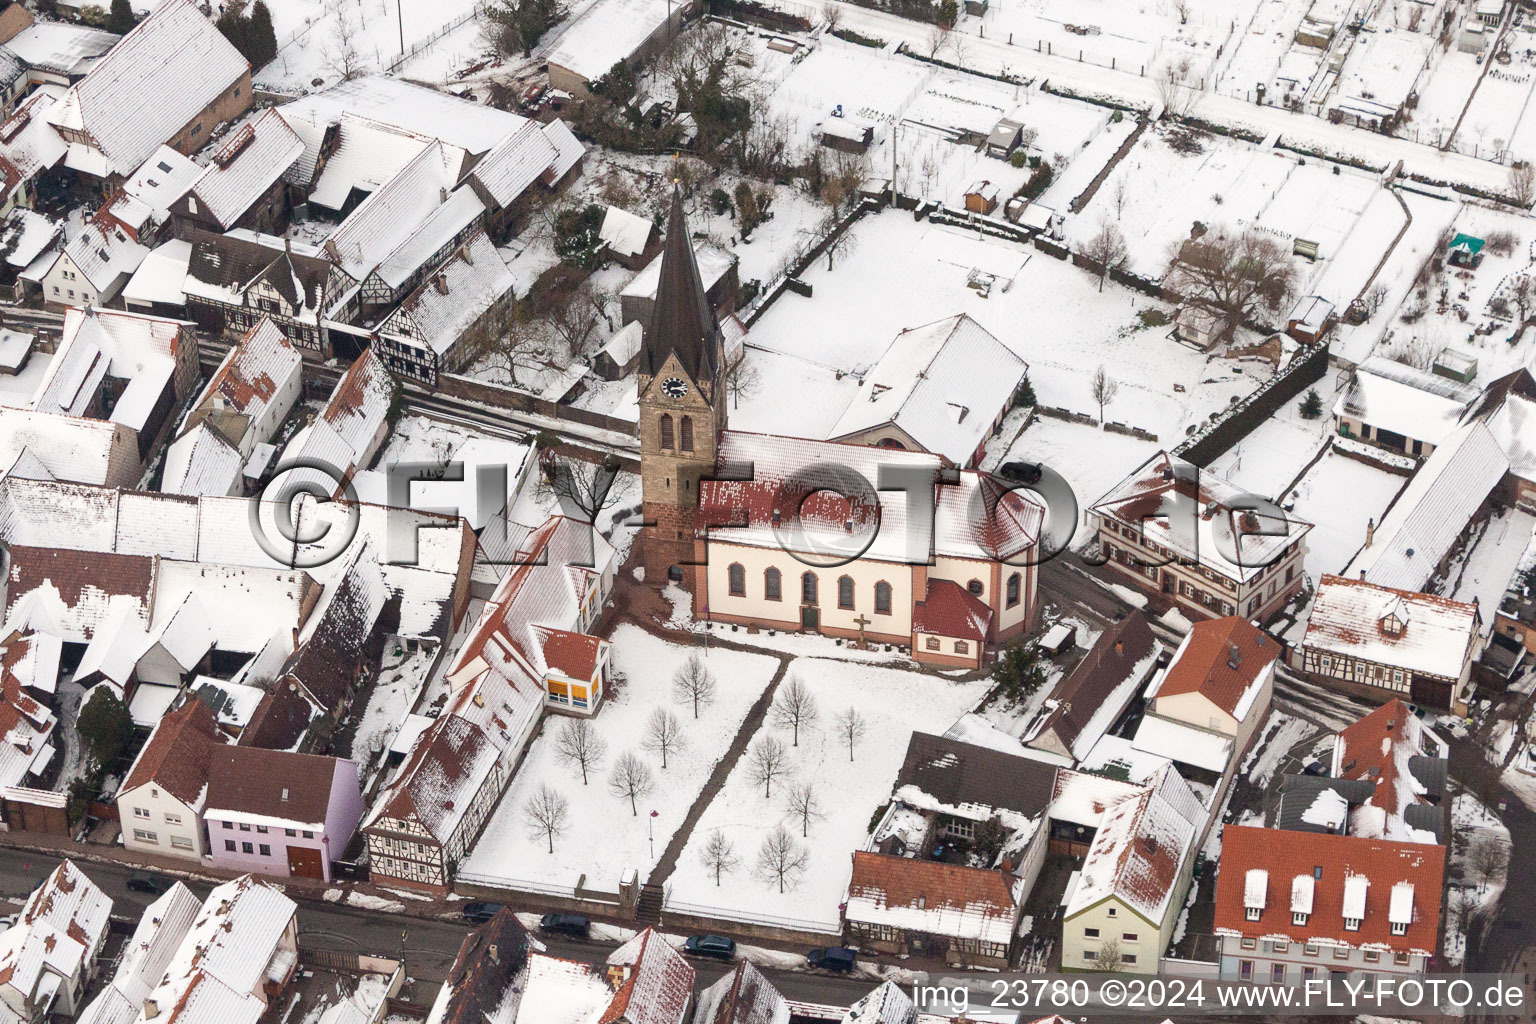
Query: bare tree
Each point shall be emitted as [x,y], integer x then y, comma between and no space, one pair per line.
[1417,351]
[843,245]
[742,380]
[503,341]
[718,855]
[781,858]
[1104,389]
[1233,276]
[693,683]
[576,320]
[580,744]
[851,727]
[959,45]
[803,805]
[938,35]
[1110,959]
[663,734]
[1174,90]
[546,814]
[1181,7]
[831,15]
[1488,858]
[339,52]
[1522,292]
[794,707]
[584,489]
[630,780]
[1120,196]
[1522,182]
[1106,249]
[1372,301]
[767,762]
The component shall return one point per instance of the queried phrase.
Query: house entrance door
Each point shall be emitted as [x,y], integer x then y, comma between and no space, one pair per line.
[304,862]
[810,617]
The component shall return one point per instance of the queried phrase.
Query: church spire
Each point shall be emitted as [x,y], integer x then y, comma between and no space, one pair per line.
[682,319]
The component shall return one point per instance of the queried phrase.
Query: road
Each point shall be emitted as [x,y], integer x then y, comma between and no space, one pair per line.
[429,944]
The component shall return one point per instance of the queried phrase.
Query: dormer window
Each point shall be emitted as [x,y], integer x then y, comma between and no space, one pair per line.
[1399,928]
[1298,918]
[1351,924]
[1252,913]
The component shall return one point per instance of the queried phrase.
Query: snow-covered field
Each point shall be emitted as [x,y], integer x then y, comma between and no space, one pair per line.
[895,704]
[603,839]
[1482,572]
[1338,523]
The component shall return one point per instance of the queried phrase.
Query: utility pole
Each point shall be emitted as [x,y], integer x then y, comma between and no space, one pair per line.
[400,22]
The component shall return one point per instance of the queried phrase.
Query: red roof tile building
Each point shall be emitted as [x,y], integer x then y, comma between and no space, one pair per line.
[1299,906]
[965,916]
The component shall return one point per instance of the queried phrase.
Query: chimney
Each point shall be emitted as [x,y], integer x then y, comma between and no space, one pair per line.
[441,283]
[285,794]
[922,901]
[1234,656]
[468,256]
[151,1009]
[494,953]
[288,245]
[1119,647]
[1370,531]
[442,194]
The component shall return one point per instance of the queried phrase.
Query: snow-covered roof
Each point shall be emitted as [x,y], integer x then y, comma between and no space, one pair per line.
[245,604]
[151,84]
[568,150]
[25,234]
[743,996]
[944,385]
[1433,508]
[455,294]
[162,178]
[1183,743]
[1347,619]
[787,470]
[1337,878]
[201,462]
[625,233]
[1255,888]
[1226,660]
[360,404]
[930,897]
[1135,857]
[625,343]
[28,143]
[1404,765]
[516,163]
[60,47]
[161,277]
[1081,710]
[367,155]
[33,661]
[105,254]
[252,374]
[473,127]
[1404,400]
[70,447]
[1514,427]
[608,32]
[657,985]
[114,650]
[247,163]
[1310,313]
[101,342]
[556,991]
[162,927]
[1200,516]
[714,263]
[59,929]
[390,216]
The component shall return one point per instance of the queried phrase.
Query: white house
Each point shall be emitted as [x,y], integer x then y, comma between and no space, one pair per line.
[161,801]
[48,957]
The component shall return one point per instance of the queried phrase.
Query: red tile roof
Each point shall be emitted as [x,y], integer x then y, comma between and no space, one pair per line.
[948,609]
[1377,749]
[1204,663]
[929,885]
[1287,855]
[571,654]
[176,756]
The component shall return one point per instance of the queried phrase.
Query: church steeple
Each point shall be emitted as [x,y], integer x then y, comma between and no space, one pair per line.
[682,320]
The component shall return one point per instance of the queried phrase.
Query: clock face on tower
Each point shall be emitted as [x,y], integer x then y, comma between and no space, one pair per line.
[674,387]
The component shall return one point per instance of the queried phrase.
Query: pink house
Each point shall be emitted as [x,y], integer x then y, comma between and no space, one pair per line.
[278,813]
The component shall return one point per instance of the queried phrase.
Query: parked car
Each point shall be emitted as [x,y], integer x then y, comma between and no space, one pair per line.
[717,946]
[481,912]
[1314,768]
[144,881]
[832,958]
[565,924]
[1020,472]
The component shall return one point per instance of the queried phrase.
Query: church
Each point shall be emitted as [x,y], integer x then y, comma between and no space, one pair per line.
[867,543]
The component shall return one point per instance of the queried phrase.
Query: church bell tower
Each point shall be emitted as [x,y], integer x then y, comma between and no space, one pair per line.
[682,407]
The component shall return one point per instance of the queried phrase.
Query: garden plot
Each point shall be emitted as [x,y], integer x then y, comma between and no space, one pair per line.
[1048,311]
[1344,278]
[1443,97]
[1258,50]
[870,85]
[1337,496]
[894,704]
[1130,35]
[1353,344]
[1272,456]
[315,37]
[1472,320]
[603,838]
[1316,204]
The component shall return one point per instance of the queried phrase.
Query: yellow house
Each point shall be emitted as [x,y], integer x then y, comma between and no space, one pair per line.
[1121,914]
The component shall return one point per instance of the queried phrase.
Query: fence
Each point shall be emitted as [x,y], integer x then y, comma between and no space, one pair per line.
[673,908]
[796,264]
[1206,445]
[422,44]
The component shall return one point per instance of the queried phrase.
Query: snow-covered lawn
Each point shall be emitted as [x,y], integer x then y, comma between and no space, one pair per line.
[1478,833]
[1270,458]
[603,839]
[1338,523]
[894,704]
[1281,733]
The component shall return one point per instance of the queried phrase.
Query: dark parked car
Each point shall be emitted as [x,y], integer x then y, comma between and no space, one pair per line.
[717,946]
[565,924]
[1021,472]
[155,885]
[479,913]
[833,958]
